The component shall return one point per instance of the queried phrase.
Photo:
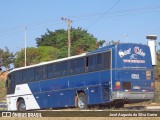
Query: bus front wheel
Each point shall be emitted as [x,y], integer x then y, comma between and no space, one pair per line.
[21,105]
[81,101]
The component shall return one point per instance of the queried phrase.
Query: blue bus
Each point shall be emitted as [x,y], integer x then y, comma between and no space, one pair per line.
[108,75]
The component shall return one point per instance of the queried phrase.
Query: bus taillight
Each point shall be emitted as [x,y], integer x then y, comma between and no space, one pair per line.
[118,84]
[152,85]
[148,74]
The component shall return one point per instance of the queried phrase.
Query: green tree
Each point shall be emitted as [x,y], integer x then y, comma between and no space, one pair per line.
[81,41]
[36,55]
[48,53]
[6,57]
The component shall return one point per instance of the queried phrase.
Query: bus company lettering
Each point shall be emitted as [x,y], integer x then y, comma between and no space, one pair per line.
[133,56]
[126,52]
[139,51]
[133,61]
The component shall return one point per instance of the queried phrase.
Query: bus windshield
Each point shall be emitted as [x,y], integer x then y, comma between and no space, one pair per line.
[133,55]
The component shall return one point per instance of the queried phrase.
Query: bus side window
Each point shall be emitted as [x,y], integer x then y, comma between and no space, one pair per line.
[41,73]
[80,65]
[90,63]
[18,77]
[57,69]
[36,73]
[31,75]
[64,68]
[86,62]
[50,71]
[12,80]
[95,62]
[99,62]
[107,60]
[24,76]
[73,66]
[44,72]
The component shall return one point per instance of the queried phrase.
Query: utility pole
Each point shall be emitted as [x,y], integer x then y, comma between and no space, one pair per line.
[25,51]
[69,38]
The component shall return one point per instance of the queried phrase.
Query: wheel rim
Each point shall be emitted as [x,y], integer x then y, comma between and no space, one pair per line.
[81,102]
[22,107]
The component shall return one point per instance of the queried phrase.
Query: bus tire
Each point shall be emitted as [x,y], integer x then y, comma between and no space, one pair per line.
[21,105]
[119,105]
[81,101]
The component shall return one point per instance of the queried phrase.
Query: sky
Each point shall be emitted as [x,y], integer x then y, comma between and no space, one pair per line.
[124,20]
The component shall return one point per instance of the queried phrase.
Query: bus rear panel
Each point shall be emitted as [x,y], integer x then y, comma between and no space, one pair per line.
[133,73]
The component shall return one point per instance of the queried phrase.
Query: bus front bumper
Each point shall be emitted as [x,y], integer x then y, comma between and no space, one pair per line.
[132,95]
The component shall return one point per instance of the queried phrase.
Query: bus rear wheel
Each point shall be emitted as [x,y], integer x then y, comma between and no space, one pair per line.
[21,105]
[81,101]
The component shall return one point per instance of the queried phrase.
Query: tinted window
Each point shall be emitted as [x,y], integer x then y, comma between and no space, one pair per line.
[73,66]
[40,73]
[50,71]
[64,68]
[24,76]
[80,65]
[99,62]
[86,60]
[12,78]
[90,63]
[107,60]
[58,69]
[36,73]
[18,77]
[44,72]
[31,74]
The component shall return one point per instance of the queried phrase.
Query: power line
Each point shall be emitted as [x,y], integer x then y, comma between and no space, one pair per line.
[104,13]
[117,13]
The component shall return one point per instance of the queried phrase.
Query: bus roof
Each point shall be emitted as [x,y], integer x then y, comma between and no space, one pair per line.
[49,62]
